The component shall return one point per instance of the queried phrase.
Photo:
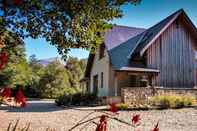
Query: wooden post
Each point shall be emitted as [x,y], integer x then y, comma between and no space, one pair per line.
[116,84]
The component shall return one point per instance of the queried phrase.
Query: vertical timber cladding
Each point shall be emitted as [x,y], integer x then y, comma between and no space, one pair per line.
[173,54]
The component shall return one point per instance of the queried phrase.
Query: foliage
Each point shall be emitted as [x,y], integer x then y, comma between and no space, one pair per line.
[9,40]
[76,69]
[172,101]
[37,72]
[38,81]
[3,60]
[17,71]
[76,99]
[55,81]
[65,24]
[122,106]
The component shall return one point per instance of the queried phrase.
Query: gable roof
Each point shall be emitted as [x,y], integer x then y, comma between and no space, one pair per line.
[154,32]
[113,38]
[121,53]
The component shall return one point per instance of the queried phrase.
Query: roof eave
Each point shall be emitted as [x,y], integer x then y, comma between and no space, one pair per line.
[137,69]
[157,36]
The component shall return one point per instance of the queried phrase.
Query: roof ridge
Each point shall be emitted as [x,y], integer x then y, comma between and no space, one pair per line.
[161,22]
[124,26]
[179,11]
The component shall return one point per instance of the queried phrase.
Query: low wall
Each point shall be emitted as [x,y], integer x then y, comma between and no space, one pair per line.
[136,95]
[140,95]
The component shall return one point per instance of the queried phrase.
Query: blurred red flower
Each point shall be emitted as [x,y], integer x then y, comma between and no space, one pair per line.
[6,92]
[102,126]
[17,2]
[156,128]
[136,119]
[20,98]
[3,59]
[113,108]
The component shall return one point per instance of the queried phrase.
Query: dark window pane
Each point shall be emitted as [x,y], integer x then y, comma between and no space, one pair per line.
[101,79]
[101,51]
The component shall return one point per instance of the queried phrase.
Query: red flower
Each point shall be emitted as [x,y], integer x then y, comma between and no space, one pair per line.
[156,128]
[3,59]
[17,2]
[102,126]
[20,98]
[113,108]
[6,92]
[135,119]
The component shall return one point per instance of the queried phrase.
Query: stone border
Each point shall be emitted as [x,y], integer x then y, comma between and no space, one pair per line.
[140,95]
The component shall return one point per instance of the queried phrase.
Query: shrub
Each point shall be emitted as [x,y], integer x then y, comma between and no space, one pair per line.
[161,101]
[122,106]
[188,101]
[172,101]
[76,99]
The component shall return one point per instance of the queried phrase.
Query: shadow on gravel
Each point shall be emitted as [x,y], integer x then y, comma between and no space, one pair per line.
[34,106]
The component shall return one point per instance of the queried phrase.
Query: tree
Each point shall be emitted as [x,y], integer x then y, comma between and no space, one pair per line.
[33,60]
[55,81]
[64,23]
[37,71]
[76,70]
[14,48]
[17,71]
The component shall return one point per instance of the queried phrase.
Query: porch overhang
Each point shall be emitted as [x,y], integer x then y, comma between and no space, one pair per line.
[137,69]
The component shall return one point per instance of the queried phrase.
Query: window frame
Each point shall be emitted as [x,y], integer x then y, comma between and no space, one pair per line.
[102,80]
[101,51]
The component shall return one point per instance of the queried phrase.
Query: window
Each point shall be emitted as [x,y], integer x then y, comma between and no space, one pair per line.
[101,79]
[101,51]
[95,84]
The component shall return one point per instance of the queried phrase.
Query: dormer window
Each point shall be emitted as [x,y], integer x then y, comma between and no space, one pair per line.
[101,51]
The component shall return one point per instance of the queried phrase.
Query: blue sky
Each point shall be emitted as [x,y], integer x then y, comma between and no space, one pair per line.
[148,13]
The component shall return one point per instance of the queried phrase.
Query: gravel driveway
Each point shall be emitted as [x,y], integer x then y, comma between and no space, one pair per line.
[44,114]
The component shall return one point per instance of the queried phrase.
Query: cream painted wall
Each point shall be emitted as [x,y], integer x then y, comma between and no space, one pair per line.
[101,65]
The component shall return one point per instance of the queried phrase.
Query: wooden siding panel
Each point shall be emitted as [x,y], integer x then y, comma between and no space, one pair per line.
[173,54]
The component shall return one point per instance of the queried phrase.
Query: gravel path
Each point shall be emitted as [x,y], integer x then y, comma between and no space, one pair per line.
[44,114]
